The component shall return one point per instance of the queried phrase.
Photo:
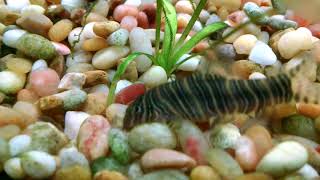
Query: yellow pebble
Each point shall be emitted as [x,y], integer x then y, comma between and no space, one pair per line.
[204,173]
[109,175]
[19,65]
[254,176]
[94,44]
[104,29]
[73,173]
[60,30]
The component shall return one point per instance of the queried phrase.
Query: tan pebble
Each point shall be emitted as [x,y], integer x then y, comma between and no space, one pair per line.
[231,5]
[58,64]
[94,44]
[95,104]
[116,113]
[184,7]
[310,110]
[261,138]
[93,17]
[27,95]
[254,176]
[182,20]
[31,111]
[166,158]
[19,65]
[104,29]
[77,14]
[274,39]
[9,116]
[95,77]
[50,102]
[245,43]
[8,17]
[60,30]
[42,3]
[131,72]
[73,172]
[109,175]
[244,68]
[223,13]
[9,131]
[204,173]
[35,23]
[233,36]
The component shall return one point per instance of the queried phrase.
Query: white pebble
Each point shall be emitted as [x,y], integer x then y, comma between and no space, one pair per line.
[71,156]
[88,31]
[264,37]
[122,84]
[32,9]
[283,159]
[19,144]
[118,38]
[189,65]
[245,43]
[11,82]
[38,164]
[17,5]
[204,16]
[73,121]
[135,3]
[10,38]
[69,5]
[73,37]
[100,88]
[154,76]
[197,26]
[14,169]
[108,57]
[78,57]
[308,172]
[262,54]
[257,75]
[151,33]
[39,65]
[139,42]
[307,44]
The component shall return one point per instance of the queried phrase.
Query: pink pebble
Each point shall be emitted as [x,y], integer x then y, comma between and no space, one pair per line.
[150,10]
[128,23]
[143,20]
[246,153]
[61,48]
[124,10]
[44,82]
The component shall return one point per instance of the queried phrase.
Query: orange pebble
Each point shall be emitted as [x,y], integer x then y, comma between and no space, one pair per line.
[123,10]
[94,44]
[310,110]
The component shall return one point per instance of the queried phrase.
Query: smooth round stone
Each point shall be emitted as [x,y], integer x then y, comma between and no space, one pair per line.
[204,173]
[11,82]
[76,39]
[261,138]
[135,3]
[139,42]
[118,38]
[308,172]
[130,93]
[70,5]
[60,30]
[28,109]
[88,32]
[95,104]
[257,75]
[309,110]
[164,174]
[108,57]
[225,136]
[31,9]
[79,57]
[104,29]
[149,136]
[233,36]
[72,99]
[262,54]
[4,151]
[119,145]
[102,8]
[73,172]
[245,43]
[115,114]
[45,78]
[9,116]
[254,176]
[166,158]
[154,76]
[17,5]
[9,131]
[105,174]
[124,10]
[264,37]
[246,153]
[298,40]
[283,159]
[129,22]
[107,163]
[80,67]
[13,168]
[94,44]
[122,84]
[225,52]
[134,170]
[10,38]
[213,18]
[35,23]
[73,121]
[92,139]
[189,65]
[19,65]
[71,156]
[143,20]
[230,5]
[19,144]
[38,164]
[184,7]
[61,49]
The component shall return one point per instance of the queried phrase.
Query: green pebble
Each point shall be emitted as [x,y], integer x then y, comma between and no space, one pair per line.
[255,13]
[164,175]
[36,47]
[73,99]
[300,126]
[118,142]
[109,164]
[224,136]
[135,171]
[281,24]
[118,38]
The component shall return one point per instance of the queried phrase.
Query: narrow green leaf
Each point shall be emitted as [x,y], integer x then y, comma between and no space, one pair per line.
[193,19]
[158,28]
[121,69]
[205,32]
[170,30]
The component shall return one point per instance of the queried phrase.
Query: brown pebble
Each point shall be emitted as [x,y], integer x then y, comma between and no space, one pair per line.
[93,17]
[7,17]
[95,77]
[35,23]
[58,64]
[109,175]
[9,116]
[104,29]
[27,95]
[94,44]
[60,30]
[49,102]
[243,68]
[95,104]
[310,110]
[142,19]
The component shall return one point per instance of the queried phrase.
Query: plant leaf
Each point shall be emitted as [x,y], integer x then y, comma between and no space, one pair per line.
[158,28]
[205,32]
[170,31]
[193,19]
[121,69]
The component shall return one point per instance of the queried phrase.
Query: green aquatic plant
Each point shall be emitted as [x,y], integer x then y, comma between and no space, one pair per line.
[168,54]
